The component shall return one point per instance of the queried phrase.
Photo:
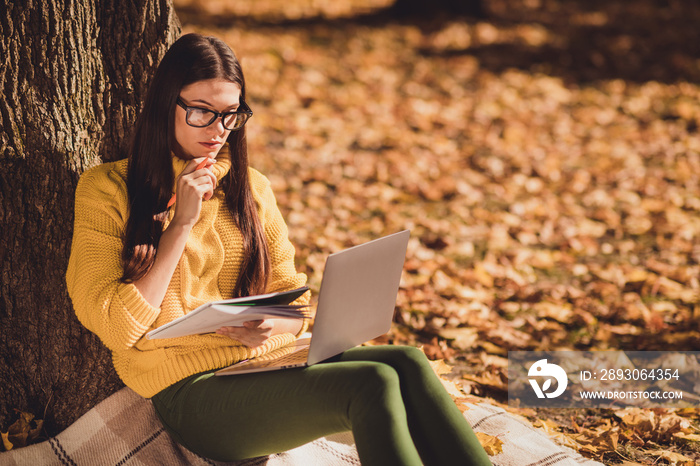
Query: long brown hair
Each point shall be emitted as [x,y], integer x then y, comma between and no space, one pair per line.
[150,178]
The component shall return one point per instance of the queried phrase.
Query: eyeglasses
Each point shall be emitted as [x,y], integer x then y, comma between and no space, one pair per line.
[200,117]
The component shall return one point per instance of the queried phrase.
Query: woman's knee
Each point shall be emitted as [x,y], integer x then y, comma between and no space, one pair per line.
[407,361]
[377,393]
[378,375]
[376,383]
[412,354]
[406,358]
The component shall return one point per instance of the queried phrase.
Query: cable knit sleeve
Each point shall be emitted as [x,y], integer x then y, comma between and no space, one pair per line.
[114,311]
[284,275]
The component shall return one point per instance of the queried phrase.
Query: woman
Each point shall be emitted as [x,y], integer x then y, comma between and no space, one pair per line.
[137,263]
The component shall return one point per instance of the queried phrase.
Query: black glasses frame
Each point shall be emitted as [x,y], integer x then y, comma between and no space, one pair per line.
[243,109]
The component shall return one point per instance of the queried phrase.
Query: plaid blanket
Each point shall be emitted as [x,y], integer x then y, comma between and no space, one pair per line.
[124,430]
[523,445]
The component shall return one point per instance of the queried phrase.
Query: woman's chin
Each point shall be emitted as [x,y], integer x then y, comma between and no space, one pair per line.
[209,152]
[201,153]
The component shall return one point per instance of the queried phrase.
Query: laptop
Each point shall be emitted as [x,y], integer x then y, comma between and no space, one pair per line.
[355,304]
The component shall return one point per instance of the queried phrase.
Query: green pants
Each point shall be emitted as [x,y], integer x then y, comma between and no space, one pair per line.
[397,409]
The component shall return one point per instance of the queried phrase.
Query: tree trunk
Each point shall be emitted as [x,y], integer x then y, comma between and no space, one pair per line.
[74,74]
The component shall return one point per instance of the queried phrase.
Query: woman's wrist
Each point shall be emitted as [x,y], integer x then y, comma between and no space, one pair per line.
[178,225]
[154,284]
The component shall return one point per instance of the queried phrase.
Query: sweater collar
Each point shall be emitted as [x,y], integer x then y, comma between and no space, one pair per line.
[220,168]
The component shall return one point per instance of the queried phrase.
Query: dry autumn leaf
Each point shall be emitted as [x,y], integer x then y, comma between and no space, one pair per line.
[6,441]
[673,458]
[22,432]
[440,367]
[463,338]
[547,425]
[644,420]
[493,445]
[688,437]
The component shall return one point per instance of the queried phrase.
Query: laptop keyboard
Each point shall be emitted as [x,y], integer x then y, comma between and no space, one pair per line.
[275,359]
[298,357]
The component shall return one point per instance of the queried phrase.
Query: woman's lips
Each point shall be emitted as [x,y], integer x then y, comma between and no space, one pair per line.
[210,145]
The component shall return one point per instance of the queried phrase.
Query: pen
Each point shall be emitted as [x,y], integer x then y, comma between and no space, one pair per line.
[200,166]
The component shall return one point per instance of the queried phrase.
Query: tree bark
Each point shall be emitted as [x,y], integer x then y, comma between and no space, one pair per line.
[73,77]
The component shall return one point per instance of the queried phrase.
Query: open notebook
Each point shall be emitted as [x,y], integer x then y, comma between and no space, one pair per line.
[355,304]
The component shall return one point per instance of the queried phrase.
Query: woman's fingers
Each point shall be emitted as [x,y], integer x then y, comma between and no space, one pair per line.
[200,183]
[198,168]
[197,175]
[198,164]
[253,333]
[212,181]
[196,183]
[253,323]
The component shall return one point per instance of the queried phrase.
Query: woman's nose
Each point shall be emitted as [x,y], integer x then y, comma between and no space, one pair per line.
[217,127]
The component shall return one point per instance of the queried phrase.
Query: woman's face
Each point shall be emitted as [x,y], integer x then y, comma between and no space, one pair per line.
[217,95]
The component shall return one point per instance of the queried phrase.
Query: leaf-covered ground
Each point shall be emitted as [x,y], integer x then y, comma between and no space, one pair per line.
[546,159]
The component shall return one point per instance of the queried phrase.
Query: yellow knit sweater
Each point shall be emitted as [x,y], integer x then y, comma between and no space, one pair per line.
[207,271]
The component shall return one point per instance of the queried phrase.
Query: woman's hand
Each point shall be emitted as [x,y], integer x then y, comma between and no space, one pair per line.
[253,333]
[193,186]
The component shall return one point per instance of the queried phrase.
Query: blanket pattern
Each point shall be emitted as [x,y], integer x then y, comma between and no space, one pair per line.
[124,430]
[523,445]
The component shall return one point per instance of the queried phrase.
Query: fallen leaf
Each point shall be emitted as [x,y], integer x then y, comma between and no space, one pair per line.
[6,441]
[454,390]
[493,445]
[23,431]
[675,459]
[689,437]
[440,367]
[464,338]
[645,420]
[547,425]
